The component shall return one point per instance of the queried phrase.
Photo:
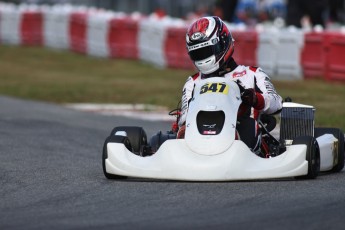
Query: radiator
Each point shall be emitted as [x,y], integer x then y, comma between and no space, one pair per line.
[296,121]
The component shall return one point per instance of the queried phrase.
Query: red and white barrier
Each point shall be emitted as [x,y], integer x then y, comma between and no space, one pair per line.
[151,38]
[31,27]
[10,23]
[323,55]
[290,43]
[267,51]
[335,67]
[56,22]
[98,26]
[282,53]
[123,37]
[176,54]
[246,45]
[78,32]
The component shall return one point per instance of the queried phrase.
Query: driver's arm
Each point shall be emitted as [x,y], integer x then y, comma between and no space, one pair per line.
[273,101]
[187,93]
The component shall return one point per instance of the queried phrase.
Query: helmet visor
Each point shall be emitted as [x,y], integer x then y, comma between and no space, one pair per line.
[204,50]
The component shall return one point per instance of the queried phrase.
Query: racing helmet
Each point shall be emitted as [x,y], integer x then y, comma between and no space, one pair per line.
[209,44]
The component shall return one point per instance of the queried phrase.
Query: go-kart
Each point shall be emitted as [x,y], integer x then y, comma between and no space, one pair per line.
[210,150]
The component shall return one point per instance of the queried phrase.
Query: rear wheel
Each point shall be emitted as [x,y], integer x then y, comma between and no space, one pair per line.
[113,139]
[337,133]
[136,135]
[312,155]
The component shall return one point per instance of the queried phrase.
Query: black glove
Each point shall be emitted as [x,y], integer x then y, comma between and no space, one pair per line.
[249,97]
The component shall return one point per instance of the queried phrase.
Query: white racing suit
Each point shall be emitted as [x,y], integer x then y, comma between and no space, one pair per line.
[268,101]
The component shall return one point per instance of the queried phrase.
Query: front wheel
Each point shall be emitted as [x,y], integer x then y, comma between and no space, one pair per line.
[113,139]
[136,135]
[312,155]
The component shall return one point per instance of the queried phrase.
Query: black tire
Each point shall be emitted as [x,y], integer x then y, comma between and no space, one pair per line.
[136,136]
[341,145]
[312,155]
[113,139]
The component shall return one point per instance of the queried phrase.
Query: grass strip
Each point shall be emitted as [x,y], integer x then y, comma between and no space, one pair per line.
[65,77]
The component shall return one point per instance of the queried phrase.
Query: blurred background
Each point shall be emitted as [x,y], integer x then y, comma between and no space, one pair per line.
[300,13]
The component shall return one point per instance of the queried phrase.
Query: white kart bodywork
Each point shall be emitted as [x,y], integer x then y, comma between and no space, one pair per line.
[174,160]
[209,157]
[328,151]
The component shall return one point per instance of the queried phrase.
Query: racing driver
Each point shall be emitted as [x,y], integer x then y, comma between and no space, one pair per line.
[210,46]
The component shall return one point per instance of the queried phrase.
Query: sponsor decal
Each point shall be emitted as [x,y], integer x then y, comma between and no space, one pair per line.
[210,126]
[219,87]
[204,44]
[239,74]
[198,46]
[209,132]
[270,89]
[197,36]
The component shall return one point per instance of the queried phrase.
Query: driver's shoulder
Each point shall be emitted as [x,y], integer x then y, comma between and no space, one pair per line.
[257,71]
[194,77]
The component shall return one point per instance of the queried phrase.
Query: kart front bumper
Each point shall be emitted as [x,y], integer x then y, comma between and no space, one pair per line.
[175,161]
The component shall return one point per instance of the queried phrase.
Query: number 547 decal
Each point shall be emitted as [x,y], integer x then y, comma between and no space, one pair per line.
[214,88]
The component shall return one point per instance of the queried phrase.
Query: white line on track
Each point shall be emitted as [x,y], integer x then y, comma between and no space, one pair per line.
[140,111]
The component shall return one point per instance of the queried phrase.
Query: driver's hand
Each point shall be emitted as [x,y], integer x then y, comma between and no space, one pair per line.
[249,97]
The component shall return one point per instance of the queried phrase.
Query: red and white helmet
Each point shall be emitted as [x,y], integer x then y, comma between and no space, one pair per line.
[209,44]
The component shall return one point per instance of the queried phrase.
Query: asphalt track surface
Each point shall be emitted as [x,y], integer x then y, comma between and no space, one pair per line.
[51,178]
